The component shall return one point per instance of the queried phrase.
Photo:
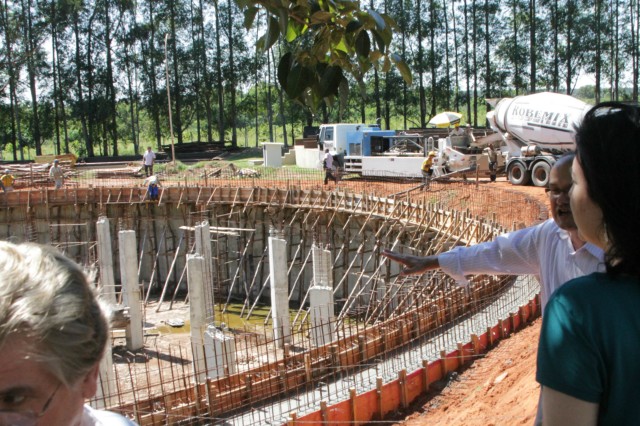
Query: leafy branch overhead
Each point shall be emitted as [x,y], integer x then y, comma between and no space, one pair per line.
[327,39]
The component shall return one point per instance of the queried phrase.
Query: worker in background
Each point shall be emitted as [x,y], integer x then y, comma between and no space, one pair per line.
[148,160]
[427,170]
[7,180]
[152,188]
[493,161]
[56,173]
[327,165]
[457,131]
[468,132]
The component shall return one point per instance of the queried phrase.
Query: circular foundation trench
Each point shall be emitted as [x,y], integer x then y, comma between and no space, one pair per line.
[372,313]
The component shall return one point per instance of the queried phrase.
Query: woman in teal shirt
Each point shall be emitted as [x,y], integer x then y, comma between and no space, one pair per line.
[589,352]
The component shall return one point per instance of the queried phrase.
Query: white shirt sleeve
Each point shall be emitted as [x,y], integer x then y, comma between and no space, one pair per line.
[514,253]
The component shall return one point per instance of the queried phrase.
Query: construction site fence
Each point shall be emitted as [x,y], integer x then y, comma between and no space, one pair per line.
[477,196]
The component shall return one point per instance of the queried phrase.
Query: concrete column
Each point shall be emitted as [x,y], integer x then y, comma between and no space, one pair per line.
[321,298]
[220,350]
[203,248]
[322,314]
[197,313]
[131,288]
[106,395]
[322,264]
[105,261]
[279,291]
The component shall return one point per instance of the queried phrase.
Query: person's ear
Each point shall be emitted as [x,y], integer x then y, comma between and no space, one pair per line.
[90,382]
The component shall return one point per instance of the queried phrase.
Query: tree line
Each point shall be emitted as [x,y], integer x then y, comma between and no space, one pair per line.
[93,76]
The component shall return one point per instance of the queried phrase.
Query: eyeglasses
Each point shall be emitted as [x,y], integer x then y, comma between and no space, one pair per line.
[27,417]
[557,193]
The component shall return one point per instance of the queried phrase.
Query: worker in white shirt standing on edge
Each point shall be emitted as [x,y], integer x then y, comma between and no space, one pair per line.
[148,159]
[56,173]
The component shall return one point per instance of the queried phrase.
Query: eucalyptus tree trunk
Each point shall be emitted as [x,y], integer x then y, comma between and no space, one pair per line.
[422,96]
[634,13]
[206,75]
[532,44]
[9,37]
[177,90]
[219,85]
[232,82]
[432,58]
[516,69]
[29,37]
[82,113]
[455,56]
[403,45]
[153,77]
[196,48]
[111,90]
[447,72]
[269,99]
[487,49]
[466,58]
[475,63]
[598,48]
[376,84]
[556,52]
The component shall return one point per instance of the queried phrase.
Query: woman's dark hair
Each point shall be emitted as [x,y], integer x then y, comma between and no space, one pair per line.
[608,148]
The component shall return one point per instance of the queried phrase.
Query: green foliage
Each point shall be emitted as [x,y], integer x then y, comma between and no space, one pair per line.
[326,40]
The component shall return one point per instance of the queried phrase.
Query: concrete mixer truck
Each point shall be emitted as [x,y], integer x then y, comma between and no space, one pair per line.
[536,129]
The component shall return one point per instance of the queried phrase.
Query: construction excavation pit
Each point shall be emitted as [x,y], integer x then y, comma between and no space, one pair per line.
[261,302]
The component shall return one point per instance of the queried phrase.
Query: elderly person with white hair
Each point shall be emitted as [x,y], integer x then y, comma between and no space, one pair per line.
[53,332]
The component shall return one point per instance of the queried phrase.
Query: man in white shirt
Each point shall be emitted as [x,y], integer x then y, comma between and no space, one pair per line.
[148,159]
[551,250]
[327,165]
[457,130]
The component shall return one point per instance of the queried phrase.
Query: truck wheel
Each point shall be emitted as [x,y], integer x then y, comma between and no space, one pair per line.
[540,173]
[518,174]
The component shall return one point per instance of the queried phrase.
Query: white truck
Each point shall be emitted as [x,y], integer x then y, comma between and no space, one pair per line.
[536,130]
[369,151]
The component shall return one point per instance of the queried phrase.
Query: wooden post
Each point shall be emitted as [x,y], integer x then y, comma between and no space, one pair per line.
[335,357]
[323,413]
[461,354]
[307,368]
[292,419]
[362,348]
[379,396]
[352,399]
[489,336]
[443,363]
[425,375]
[502,331]
[402,381]
[248,386]
[475,341]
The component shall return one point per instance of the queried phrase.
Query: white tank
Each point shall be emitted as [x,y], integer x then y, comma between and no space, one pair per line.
[547,120]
